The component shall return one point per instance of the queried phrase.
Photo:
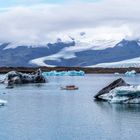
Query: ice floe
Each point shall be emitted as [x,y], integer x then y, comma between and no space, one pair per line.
[64,73]
[124,94]
[2,102]
[130,73]
[119,92]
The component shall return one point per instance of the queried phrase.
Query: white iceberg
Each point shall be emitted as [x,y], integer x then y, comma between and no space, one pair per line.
[124,94]
[2,102]
[116,73]
[130,73]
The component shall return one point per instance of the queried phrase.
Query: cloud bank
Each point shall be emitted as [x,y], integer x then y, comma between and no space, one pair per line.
[105,19]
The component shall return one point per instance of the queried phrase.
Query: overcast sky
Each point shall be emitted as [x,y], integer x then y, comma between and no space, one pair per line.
[35,21]
[9,3]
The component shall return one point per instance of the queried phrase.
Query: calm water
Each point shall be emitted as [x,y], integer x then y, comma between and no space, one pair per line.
[44,112]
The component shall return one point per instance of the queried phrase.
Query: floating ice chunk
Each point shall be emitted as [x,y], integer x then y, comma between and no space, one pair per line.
[2,102]
[16,77]
[119,92]
[64,73]
[76,73]
[124,94]
[130,73]
[116,73]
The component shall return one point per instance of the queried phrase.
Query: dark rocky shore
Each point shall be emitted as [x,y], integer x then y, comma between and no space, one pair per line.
[86,70]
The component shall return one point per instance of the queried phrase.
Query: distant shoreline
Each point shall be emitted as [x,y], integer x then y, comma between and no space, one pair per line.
[97,70]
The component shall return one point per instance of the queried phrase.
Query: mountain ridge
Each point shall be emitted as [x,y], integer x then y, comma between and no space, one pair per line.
[69,54]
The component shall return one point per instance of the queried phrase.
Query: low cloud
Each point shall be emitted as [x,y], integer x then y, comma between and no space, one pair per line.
[106,19]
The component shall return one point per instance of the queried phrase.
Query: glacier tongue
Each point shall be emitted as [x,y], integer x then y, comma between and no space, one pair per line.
[135,62]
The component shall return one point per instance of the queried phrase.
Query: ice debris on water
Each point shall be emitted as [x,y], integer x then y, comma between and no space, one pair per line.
[64,73]
[124,94]
[2,102]
[119,92]
[130,73]
[116,73]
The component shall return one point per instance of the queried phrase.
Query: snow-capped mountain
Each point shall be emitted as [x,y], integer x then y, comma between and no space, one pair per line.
[73,52]
[135,62]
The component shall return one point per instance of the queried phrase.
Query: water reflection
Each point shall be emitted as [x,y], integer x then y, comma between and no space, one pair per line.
[44,112]
[130,108]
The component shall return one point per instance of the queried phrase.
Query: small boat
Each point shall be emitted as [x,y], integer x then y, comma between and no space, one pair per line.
[69,87]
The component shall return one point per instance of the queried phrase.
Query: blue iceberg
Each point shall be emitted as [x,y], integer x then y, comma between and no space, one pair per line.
[64,73]
[116,73]
[130,73]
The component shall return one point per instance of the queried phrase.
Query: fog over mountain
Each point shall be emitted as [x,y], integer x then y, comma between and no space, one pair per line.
[41,23]
[70,33]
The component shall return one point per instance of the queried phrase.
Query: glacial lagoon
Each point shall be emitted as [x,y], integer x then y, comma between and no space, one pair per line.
[45,112]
